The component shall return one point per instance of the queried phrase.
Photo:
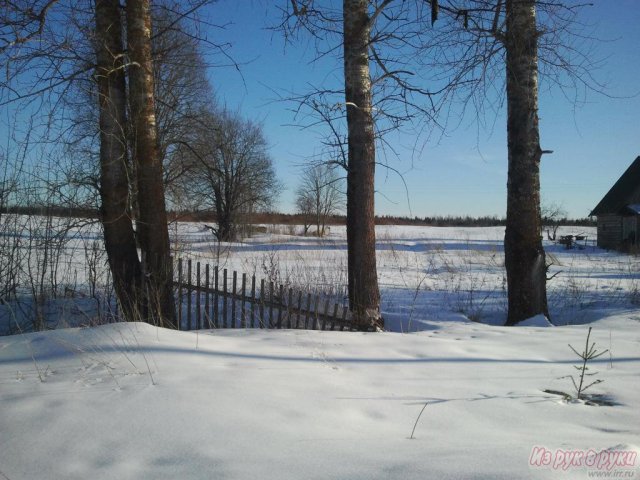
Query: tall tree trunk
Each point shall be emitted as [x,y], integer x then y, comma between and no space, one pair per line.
[153,230]
[119,237]
[524,255]
[225,215]
[318,212]
[226,227]
[364,295]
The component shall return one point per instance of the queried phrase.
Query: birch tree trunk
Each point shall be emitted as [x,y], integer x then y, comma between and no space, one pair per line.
[153,233]
[524,255]
[364,295]
[119,236]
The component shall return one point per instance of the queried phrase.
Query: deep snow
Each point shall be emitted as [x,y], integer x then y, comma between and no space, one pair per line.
[134,401]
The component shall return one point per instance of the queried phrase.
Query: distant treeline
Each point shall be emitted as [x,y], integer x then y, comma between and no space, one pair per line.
[52,210]
[437,221]
[442,221]
[297,219]
[468,221]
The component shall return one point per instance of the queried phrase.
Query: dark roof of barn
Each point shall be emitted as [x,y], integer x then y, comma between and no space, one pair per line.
[620,194]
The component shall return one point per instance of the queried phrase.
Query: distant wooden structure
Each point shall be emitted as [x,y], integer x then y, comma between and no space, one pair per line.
[618,212]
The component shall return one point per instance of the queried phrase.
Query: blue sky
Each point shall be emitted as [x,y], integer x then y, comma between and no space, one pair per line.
[463,171]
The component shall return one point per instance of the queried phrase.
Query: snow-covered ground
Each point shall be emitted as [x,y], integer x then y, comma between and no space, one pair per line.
[134,401]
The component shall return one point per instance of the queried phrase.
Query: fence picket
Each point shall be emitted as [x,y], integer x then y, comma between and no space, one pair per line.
[261,312]
[334,316]
[253,300]
[270,305]
[316,313]
[233,299]
[199,294]
[216,322]
[306,316]
[207,295]
[314,316]
[179,294]
[299,309]
[343,320]
[189,295]
[326,314]
[243,313]
[289,303]
[280,306]
[224,298]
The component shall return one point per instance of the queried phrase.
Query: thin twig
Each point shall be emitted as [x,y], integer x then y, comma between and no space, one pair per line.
[3,475]
[417,419]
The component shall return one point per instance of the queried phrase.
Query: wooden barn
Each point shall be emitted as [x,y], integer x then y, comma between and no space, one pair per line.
[619,212]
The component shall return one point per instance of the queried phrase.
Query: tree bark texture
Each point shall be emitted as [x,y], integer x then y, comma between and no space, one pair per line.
[153,233]
[524,254]
[119,235]
[364,295]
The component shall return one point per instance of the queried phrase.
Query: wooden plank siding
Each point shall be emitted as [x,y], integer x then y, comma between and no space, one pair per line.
[617,213]
[610,231]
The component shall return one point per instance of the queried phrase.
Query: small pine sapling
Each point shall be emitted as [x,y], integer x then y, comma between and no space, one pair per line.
[589,353]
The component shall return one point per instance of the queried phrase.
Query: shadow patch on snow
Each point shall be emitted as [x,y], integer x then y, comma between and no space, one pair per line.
[59,354]
[593,399]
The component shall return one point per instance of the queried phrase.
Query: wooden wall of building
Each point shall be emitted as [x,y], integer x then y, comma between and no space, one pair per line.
[610,231]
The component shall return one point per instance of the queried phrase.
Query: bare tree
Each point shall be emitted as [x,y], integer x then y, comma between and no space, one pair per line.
[152,226]
[119,235]
[182,91]
[231,170]
[48,50]
[495,49]
[524,255]
[364,294]
[376,40]
[552,214]
[385,87]
[305,208]
[484,50]
[318,196]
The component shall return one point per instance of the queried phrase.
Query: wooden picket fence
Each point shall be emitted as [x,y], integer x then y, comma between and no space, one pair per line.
[209,297]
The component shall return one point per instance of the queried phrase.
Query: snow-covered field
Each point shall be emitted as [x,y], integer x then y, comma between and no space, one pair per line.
[134,401]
